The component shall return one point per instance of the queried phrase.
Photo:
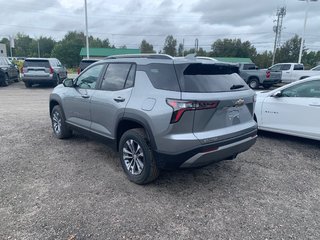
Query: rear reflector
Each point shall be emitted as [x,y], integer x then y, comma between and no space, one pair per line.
[181,106]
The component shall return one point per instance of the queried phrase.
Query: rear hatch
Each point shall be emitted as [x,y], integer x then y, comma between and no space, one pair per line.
[222,103]
[37,68]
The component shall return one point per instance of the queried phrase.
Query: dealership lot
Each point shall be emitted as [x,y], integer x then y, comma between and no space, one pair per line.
[76,189]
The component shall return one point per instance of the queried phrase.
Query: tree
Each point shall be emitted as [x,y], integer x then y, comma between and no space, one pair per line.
[201,52]
[170,46]
[180,50]
[68,49]
[23,46]
[289,51]
[232,48]
[46,45]
[311,59]
[146,47]
[98,43]
[263,60]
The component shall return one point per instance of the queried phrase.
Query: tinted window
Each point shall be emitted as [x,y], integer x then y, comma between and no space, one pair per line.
[115,77]
[276,67]
[210,78]
[308,89]
[285,67]
[162,76]
[249,67]
[298,67]
[89,78]
[36,63]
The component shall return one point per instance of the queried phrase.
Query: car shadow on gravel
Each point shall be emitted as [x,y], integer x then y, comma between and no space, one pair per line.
[290,139]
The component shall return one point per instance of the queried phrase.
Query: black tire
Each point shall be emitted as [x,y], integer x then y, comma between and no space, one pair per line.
[28,84]
[253,83]
[149,172]
[5,82]
[59,125]
[266,86]
[55,81]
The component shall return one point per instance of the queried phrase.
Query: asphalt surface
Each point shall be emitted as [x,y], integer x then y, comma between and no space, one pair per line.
[75,189]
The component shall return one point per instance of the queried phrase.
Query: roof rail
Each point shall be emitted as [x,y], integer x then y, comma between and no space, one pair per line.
[152,56]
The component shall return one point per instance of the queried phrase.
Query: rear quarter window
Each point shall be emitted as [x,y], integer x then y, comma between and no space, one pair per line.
[161,75]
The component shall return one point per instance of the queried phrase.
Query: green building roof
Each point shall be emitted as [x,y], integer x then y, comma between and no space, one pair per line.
[105,52]
[234,59]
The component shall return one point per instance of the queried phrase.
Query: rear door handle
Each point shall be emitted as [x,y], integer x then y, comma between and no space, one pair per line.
[119,99]
[85,96]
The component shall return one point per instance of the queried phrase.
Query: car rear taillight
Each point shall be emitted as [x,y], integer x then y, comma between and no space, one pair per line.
[181,106]
[22,70]
[79,70]
[51,70]
[268,74]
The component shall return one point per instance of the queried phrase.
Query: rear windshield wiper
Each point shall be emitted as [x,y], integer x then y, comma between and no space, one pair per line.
[236,86]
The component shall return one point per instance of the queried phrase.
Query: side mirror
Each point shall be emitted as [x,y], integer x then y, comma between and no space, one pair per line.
[277,94]
[68,82]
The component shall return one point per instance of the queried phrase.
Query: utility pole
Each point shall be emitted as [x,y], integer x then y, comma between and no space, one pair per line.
[38,48]
[196,45]
[86,19]
[304,28]
[281,12]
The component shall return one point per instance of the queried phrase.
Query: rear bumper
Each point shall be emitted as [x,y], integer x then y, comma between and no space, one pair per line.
[38,79]
[207,154]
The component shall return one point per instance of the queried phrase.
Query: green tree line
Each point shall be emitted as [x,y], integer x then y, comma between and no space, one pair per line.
[68,49]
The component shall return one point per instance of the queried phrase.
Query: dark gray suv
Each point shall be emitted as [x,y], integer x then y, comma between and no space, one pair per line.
[158,112]
[43,71]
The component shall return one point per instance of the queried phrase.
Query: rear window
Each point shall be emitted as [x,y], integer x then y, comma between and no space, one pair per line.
[210,78]
[36,63]
[298,67]
[249,67]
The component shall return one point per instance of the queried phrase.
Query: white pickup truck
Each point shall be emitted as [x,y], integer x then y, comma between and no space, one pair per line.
[292,71]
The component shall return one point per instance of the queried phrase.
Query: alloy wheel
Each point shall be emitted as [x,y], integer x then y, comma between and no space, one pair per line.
[56,120]
[133,157]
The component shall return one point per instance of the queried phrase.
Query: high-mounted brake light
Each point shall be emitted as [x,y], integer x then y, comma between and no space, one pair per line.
[181,106]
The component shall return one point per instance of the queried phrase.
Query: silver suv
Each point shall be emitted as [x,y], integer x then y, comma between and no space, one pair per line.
[158,112]
[43,71]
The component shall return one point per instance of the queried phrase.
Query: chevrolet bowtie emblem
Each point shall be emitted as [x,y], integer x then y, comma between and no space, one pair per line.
[239,103]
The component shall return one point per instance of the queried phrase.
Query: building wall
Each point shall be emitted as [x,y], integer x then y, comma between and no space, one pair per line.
[3,50]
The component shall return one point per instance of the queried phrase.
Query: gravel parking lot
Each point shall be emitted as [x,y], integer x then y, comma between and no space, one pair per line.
[75,189]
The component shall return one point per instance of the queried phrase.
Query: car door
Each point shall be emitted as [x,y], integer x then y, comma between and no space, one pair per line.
[77,100]
[110,99]
[286,73]
[296,111]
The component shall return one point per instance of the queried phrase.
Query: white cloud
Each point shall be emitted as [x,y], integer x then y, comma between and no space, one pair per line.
[129,21]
